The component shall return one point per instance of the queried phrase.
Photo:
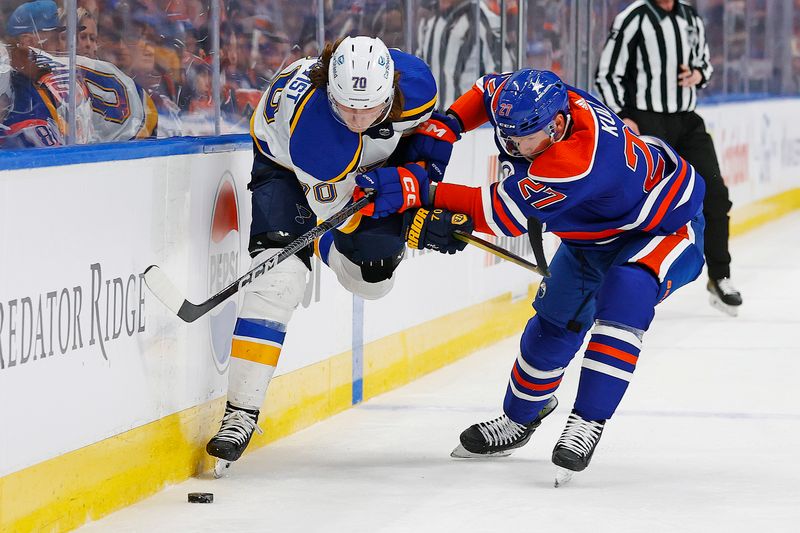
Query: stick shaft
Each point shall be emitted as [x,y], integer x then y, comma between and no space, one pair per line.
[496,250]
[164,290]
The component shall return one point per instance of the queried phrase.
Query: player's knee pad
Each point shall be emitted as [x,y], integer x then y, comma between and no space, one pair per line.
[278,239]
[546,346]
[377,270]
[628,296]
[276,293]
[375,284]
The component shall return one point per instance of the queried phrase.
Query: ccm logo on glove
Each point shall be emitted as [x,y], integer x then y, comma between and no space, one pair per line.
[397,189]
[410,185]
[433,129]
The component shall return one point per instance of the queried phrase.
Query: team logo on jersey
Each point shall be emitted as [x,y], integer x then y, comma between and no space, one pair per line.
[224,250]
[303,214]
[542,290]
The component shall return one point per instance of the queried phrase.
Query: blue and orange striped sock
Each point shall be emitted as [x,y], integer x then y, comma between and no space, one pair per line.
[608,366]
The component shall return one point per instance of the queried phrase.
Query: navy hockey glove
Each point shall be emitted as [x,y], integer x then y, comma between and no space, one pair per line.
[432,142]
[397,188]
[433,229]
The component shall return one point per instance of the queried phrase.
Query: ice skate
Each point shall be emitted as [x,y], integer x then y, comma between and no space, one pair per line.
[221,466]
[724,296]
[233,437]
[575,447]
[499,437]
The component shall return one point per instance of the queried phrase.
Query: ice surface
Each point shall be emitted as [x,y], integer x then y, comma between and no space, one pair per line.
[706,439]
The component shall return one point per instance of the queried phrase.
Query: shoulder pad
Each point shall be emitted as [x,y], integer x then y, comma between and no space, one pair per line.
[319,144]
[416,84]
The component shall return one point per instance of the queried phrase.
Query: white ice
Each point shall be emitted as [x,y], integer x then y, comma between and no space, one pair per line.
[706,440]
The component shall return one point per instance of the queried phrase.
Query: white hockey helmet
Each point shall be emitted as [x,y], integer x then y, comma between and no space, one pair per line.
[6,91]
[361,82]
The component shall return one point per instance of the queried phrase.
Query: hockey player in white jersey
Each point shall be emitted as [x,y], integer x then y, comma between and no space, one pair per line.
[359,112]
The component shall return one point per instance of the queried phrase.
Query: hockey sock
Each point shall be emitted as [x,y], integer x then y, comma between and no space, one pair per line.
[625,308]
[545,350]
[255,351]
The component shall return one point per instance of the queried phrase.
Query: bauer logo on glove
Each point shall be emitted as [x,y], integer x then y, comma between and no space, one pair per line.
[433,229]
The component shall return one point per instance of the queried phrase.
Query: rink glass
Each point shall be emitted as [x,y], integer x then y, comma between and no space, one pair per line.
[205,63]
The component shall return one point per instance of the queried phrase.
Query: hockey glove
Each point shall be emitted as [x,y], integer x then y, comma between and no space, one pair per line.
[432,142]
[433,229]
[397,188]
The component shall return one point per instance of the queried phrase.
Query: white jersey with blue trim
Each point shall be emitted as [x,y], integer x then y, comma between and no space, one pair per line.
[111,106]
[294,127]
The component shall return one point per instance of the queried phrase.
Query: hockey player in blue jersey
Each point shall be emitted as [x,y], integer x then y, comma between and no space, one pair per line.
[28,117]
[358,111]
[628,211]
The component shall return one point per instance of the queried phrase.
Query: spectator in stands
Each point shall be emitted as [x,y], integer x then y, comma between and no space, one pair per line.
[28,117]
[87,34]
[35,24]
[198,78]
[388,22]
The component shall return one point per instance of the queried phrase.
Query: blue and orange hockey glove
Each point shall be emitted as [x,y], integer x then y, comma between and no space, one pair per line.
[396,188]
[433,229]
[432,142]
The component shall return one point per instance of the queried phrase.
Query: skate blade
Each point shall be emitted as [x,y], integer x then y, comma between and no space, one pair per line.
[462,453]
[221,467]
[719,305]
[563,476]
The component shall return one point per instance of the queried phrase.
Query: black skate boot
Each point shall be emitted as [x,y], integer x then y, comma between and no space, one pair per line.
[575,447]
[233,436]
[499,437]
[724,296]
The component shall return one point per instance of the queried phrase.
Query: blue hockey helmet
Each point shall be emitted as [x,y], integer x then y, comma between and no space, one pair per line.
[528,103]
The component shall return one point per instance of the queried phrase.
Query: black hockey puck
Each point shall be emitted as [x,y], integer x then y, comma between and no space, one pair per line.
[201,497]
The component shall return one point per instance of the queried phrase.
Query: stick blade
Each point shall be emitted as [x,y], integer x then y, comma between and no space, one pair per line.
[163,289]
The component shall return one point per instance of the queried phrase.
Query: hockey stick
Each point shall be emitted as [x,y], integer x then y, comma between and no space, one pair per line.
[502,253]
[166,291]
[535,237]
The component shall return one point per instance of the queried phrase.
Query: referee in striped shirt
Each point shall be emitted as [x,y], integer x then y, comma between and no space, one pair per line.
[449,45]
[655,59]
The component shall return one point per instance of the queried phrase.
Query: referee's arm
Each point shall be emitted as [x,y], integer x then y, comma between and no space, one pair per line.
[701,59]
[614,58]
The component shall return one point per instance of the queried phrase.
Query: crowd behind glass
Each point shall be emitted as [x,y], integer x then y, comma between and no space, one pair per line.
[200,66]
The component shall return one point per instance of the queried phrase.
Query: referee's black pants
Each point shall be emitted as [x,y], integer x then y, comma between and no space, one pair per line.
[686,132]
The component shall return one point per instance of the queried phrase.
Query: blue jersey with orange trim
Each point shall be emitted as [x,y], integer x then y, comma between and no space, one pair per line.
[294,127]
[32,121]
[600,181]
